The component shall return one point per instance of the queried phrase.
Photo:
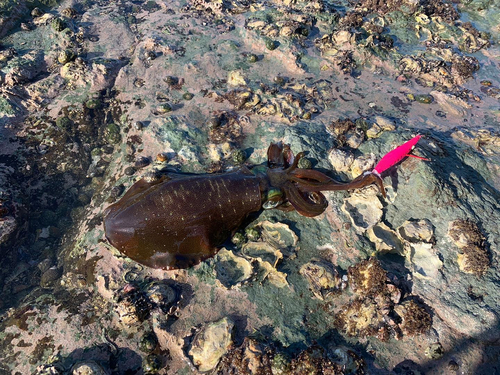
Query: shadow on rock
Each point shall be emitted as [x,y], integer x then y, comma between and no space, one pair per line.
[98,359]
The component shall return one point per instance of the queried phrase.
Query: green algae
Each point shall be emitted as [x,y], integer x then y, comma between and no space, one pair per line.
[8,108]
[8,6]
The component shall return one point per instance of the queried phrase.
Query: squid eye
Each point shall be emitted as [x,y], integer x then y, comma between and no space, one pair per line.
[274,199]
[268,205]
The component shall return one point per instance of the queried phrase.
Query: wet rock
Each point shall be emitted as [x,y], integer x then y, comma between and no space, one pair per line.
[24,69]
[484,140]
[8,226]
[50,276]
[211,343]
[451,104]
[99,73]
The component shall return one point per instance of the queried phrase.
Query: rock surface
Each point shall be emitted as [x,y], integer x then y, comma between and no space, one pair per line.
[95,95]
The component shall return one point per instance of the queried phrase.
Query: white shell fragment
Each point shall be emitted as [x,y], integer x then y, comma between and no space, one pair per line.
[381,124]
[278,235]
[385,239]
[416,231]
[364,209]
[374,131]
[262,251]
[211,343]
[87,368]
[231,269]
[340,160]
[363,163]
[425,262]
[267,272]
[236,78]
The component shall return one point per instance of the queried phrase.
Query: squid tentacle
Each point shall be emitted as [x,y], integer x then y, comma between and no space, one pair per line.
[310,181]
[302,187]
[303,204]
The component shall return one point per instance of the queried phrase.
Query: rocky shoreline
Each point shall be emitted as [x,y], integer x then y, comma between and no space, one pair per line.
[95,95]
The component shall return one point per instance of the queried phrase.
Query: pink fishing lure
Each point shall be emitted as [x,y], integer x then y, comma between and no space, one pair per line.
[395,156]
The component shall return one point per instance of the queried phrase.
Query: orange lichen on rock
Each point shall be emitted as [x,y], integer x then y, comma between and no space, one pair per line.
[474,257]
[414,318]
[367,278]
[363,318]
[376,309]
